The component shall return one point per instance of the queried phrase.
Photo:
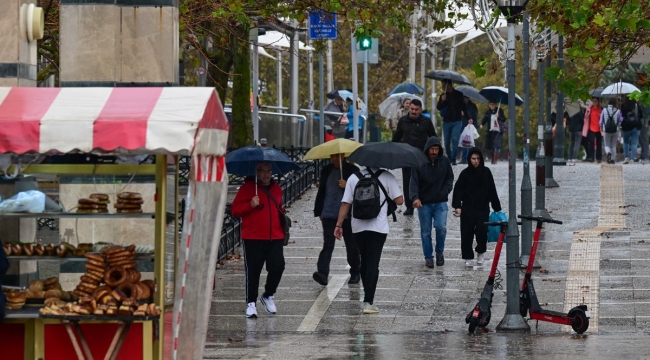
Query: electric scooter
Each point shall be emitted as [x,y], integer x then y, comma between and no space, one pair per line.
[480,315]
[578,317]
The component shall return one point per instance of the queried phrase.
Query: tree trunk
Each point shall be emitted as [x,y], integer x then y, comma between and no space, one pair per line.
[241,128]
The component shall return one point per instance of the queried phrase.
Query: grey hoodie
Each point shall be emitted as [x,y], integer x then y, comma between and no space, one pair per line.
[432,182]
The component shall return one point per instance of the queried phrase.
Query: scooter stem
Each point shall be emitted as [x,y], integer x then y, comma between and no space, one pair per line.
[497,253]
[533,250]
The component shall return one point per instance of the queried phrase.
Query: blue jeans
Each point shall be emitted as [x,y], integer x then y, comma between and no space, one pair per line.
[630,140]
[465,151]
[436,214]
[451,133]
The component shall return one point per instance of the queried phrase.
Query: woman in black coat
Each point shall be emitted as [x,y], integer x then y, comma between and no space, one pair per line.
[473,193]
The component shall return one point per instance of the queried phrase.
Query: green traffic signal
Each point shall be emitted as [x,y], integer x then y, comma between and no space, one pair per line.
[365,43]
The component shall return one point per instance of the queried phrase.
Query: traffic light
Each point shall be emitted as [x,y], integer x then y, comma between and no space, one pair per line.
[365,43]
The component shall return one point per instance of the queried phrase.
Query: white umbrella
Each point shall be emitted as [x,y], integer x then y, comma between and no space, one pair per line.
[389,108]
[618,88]
[278,39]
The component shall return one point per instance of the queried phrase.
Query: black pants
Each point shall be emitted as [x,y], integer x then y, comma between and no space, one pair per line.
[256,253]
[595,138]
[329,241]
[371,245]
[471,224]
[406,180]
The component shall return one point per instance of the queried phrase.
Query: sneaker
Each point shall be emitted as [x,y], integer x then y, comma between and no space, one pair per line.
[469,263]
[479,259]
[440,259]
[251,310]
[408,212]
[320,278]
[453,162]
[354,279]
[611,162]
[626,161]
[429,262]
[609,158]
[370,308]
[637,160]
[268,303]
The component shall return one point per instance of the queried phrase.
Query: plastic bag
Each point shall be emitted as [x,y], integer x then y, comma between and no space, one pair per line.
[466,139]
[493,232]
[494,123]
[344,119]
[475,134]
[30,201]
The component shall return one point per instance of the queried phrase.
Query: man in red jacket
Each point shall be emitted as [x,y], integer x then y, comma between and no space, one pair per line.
[262,236]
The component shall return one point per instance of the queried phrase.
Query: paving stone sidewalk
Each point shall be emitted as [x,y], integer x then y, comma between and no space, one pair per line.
[415,300]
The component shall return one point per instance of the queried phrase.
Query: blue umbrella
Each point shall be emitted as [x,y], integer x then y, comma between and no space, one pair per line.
[407,87]
[500,95]
[243,161]
[332,94]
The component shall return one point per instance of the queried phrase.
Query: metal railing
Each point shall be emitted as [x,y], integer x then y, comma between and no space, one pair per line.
[298,129]
[364,126]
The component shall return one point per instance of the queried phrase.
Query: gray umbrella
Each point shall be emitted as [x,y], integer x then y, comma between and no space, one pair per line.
[596,92]
[448,75]
[472,93]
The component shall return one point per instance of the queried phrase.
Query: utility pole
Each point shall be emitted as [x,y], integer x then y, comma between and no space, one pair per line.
[559,106]
[412,44]
[526,186]
[355,88]
[512,321]
[548,133]
[330,66]
[540,173]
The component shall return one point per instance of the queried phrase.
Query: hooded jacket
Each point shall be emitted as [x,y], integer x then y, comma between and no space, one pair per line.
[262,222]
[432,182]
[348,169]
[475,188]
[414,132]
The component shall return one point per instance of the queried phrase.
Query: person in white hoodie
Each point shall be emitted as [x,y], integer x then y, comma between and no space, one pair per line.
[610,119]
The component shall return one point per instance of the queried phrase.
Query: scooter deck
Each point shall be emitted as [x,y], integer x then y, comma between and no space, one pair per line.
[551,316]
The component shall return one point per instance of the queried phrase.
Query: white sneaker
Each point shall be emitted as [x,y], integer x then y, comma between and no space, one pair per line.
[251,310]
[370,308]
[479,259]
[268,303]
[469,263]
[626,161]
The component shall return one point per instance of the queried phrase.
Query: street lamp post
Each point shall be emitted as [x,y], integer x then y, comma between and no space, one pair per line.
[512,321]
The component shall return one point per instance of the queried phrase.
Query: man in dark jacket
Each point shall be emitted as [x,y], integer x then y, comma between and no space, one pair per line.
[453,101]
[414,130]
[473,193]
[328,202]
[576,123]
[429,189]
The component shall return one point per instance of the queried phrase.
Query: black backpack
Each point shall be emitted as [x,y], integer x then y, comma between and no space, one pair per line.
[610,123]
[366,201]
[632,119]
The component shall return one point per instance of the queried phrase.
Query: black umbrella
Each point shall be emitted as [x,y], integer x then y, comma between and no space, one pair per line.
[332,94]
[472,93]
[388,155]
[448,75]
[596,92]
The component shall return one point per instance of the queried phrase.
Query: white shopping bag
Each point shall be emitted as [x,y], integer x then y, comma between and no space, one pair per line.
[494,123]
[467,137]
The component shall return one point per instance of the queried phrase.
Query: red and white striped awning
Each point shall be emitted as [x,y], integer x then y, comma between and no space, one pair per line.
[171,120]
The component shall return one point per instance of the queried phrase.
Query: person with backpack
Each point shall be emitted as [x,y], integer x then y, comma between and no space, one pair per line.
[328,202]
[372,194]
[610,118]
[429,190]
[473,193]
[631,128]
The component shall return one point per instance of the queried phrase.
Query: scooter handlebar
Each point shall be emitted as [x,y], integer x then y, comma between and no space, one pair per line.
[539,218]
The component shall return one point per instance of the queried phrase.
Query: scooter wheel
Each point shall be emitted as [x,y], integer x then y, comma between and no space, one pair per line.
[473,323]
[580,322]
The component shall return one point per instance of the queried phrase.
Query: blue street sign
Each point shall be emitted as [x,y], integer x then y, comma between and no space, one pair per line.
[322,25]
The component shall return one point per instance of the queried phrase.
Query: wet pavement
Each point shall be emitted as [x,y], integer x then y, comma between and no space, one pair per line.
[599,256]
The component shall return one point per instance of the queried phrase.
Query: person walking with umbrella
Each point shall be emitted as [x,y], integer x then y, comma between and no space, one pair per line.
[414,130]
[430,186]
[336,105]
[328,203]
[453,103]
[495,131]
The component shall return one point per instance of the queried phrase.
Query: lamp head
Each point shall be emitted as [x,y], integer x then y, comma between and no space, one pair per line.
[511,9]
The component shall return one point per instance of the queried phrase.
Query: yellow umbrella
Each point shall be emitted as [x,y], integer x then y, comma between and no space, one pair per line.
[336,146]
[332,147]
